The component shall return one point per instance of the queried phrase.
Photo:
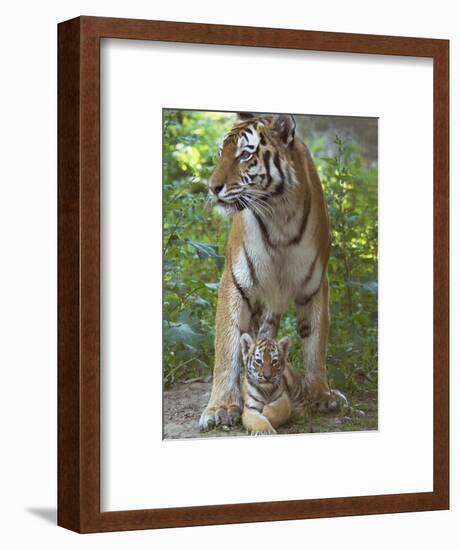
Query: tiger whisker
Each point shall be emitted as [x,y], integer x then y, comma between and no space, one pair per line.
[261,196]
[256,206]
[263,207]
[247,202]
[208,204]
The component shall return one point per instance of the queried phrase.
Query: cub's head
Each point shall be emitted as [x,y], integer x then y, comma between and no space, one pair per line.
[253,165]
[264,359]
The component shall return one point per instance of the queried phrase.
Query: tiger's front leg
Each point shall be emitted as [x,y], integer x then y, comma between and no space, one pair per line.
[313,325]
[233,317]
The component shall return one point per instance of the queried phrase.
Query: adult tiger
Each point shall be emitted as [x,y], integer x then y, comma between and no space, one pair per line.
[277,252]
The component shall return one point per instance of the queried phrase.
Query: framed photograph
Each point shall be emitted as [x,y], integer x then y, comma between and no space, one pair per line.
[253,274]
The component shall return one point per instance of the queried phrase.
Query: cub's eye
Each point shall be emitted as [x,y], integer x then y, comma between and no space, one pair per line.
[245,155]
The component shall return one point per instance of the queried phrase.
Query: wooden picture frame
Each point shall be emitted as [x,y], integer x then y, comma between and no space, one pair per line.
[79,274]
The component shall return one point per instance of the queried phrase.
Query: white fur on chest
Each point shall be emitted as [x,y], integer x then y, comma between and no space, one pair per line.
[281,273]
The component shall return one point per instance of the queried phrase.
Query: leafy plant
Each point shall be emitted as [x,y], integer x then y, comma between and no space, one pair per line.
[193,242]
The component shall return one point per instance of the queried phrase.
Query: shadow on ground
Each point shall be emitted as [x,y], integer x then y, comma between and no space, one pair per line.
[47,514]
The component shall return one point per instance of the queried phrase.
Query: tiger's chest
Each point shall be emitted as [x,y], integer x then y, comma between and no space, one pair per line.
[279,279]
[274,273]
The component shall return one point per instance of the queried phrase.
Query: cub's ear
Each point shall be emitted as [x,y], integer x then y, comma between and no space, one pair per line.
[246,343]
[243,116]
[284,127]
[284,344]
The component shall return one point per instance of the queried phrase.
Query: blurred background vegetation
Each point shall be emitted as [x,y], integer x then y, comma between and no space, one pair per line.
[345,153]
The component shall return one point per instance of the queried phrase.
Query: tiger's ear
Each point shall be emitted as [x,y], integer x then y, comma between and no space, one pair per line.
[284,127]
[243,116]
[284,344]
[246,343]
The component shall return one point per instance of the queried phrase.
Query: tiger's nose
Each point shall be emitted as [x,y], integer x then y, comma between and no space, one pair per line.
[216,189]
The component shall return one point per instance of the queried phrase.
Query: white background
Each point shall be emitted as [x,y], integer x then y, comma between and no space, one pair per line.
[134,457]
[28,275]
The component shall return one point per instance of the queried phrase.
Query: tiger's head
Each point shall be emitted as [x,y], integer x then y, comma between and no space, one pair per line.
[264,359]
[253,167]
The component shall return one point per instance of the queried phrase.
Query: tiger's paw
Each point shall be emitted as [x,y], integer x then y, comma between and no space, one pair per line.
[332,401]
[220,415]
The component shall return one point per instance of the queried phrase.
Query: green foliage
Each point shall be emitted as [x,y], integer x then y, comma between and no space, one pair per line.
[194,241]
[351,193]
[194,248]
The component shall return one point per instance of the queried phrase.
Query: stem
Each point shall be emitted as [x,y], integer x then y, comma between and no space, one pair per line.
[171,235]
[177,367]
[185,298]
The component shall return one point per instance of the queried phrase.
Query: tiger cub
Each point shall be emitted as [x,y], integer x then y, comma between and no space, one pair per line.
[272,389]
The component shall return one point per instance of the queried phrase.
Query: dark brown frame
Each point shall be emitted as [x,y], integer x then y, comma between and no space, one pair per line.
[78,288]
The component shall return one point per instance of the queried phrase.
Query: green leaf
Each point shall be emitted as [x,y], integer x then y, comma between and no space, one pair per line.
[199,301]
[206,250]
[329,160]
[212,286]
[369,286]
[174,333]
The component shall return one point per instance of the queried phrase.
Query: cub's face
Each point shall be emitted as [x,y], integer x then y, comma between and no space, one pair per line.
[253,164]
[264,359]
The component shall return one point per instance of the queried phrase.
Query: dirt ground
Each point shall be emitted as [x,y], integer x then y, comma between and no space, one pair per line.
[184,402]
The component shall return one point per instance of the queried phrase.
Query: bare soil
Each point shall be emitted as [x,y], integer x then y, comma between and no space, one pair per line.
[184,402]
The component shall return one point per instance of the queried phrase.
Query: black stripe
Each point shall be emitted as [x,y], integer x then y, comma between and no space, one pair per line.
[241,291]
[279,190]
[264,230]
[255,398]
[304,329]
[285,382]
[276,160]
[267,166]
[274,396]
[257,389]
[232,194]
[306,299]
[296,396]
[303,223]
[252,270]
[253,408]
[308,276]
[267,394]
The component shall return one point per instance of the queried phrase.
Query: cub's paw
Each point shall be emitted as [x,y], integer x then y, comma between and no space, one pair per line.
[264,432]
[330,401]
[219,415]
